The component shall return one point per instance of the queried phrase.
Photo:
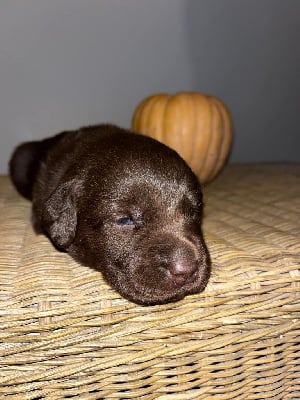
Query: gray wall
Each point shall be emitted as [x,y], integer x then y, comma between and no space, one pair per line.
[66,63]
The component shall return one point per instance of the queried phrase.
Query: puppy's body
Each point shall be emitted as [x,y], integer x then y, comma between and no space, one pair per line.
[119,202]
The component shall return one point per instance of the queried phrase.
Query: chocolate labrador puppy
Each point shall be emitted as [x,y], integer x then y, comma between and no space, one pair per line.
[119,202]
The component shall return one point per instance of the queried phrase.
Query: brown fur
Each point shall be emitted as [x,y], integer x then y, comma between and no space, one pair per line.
[119,202]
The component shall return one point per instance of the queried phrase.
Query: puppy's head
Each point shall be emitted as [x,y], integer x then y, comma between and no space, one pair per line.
[138,221]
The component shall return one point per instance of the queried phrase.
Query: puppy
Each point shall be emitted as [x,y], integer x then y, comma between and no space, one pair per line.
[119,202]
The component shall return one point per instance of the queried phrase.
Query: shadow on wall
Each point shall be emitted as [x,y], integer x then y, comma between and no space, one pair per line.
[247,53]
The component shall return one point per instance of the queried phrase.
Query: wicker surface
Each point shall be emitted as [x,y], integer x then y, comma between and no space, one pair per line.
[65,334]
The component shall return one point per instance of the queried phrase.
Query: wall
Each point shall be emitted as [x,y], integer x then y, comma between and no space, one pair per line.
[66,63]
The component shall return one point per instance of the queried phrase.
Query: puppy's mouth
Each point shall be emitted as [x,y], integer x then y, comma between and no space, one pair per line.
[167,287]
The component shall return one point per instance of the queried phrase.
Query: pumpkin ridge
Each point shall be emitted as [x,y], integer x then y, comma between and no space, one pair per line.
[202,136]
[154,116]
[185,104]
[195,142]
[160,134]
[194,149]
[171,130]
[146,121]
[206,161]
[219,139]
[227,135]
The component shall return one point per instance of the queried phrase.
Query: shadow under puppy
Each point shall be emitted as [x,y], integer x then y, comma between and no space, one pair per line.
[119,202]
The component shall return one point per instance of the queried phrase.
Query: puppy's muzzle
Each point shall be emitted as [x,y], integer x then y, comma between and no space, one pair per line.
[181,261]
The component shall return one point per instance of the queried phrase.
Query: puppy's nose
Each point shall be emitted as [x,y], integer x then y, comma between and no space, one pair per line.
[183,271]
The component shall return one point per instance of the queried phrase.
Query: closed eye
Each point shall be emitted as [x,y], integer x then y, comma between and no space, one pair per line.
[126,221]
[195,213]
[190,210]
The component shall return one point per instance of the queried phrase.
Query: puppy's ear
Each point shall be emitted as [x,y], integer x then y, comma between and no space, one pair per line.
[60,213]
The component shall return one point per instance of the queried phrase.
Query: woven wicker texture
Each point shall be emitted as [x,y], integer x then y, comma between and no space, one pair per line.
[65,334]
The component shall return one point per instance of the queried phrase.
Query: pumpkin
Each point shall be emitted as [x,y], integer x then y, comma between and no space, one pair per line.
[197,126]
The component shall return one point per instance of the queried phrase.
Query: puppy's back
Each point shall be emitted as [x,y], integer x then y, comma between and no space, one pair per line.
[41,164]
[24,166]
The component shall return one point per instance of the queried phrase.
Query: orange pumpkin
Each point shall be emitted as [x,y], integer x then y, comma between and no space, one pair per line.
[197,126]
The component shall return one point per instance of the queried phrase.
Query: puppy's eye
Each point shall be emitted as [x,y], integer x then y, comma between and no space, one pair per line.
[126,221]
[195,212]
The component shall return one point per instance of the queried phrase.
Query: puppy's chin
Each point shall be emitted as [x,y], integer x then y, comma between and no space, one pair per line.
[156,287]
